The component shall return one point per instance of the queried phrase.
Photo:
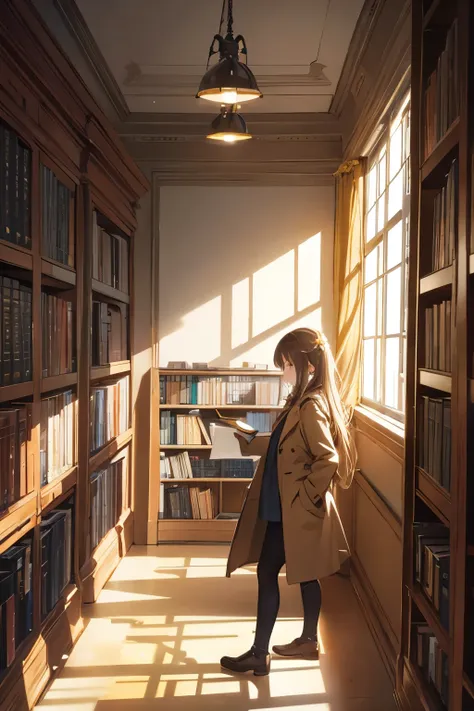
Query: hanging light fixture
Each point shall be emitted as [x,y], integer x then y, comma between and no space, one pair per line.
[230,81]
[229,126]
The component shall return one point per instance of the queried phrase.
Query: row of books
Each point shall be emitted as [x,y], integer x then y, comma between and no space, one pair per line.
[109,411]
[182,429]
[56,532]
[434,438]
[431,660]
[187,502]
[58,336]
[15,188]
[438,337]
[16,469]
[110,258]
[109,333]
[261,421]
[16,599]
[445,214]
[219,390]
[441,99]
[432,561]
[108,492]
[57,435]
[15,331]
[182,466]
[57,212]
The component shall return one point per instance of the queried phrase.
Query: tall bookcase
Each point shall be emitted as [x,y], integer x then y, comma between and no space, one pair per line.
[222,390]
[436,662]
[63,171]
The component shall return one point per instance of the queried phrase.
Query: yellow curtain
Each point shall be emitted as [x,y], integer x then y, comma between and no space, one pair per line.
[348,276]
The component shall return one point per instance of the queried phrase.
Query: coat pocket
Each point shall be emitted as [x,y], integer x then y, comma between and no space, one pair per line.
[318,510]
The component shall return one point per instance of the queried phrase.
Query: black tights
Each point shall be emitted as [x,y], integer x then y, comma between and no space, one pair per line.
[272,559]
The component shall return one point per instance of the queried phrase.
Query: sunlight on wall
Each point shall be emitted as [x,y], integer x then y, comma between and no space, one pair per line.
[200,333]
[273,293]
[240,312]
[309,272]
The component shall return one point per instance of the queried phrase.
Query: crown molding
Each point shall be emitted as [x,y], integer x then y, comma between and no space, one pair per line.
[77,26]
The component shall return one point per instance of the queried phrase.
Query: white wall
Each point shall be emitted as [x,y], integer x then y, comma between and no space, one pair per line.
[240,266]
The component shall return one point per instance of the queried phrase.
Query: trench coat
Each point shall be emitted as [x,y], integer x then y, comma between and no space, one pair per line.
[314,539]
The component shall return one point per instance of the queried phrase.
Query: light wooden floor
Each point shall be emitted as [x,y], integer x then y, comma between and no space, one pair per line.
[168,614]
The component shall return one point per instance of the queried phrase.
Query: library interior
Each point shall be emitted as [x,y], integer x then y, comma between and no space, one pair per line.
[182,472]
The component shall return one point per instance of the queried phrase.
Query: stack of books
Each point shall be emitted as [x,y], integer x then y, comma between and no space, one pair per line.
[15,332]
[432,560]
[438,337]
[110,260]
[434,438]
[16,454]
[57,210]
[56,555]
[16,599]
[108,492]
[109,411]
[109,333]
[58,335]
[15,187]
[57,435]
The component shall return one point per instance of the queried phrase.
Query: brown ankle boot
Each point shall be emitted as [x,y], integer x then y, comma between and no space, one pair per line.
[302,648]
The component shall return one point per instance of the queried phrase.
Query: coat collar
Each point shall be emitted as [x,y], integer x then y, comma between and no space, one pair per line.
[293,416]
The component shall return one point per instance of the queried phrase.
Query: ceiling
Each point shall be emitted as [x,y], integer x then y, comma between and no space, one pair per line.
[157,49]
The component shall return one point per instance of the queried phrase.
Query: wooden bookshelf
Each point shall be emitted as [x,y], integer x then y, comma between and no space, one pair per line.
[437,47]
[58,134]
[228,492]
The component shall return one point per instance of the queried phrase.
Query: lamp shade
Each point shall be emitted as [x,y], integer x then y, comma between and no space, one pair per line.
[229,127]
[229,82]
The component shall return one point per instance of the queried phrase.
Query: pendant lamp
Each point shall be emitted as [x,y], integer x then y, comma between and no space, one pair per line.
[229,126]
[230,81]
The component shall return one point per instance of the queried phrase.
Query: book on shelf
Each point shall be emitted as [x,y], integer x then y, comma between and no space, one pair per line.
[254,366]
[441,96]
[220,390]
[108,496]
[187,502]
[57,335]
[434,438]
[432,561]
[15,188]
[57,435]
[16,454]
[438,337]
[109,414]
[431,660]
[17,614]
[15,332]
[184,430]
[110,258]
[57,212]
[182,365]
[109,333]
[445,214]
[56,535]
[183,466]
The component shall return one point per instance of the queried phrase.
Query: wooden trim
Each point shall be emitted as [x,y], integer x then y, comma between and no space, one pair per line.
[431,617]
[437,381]
[58,382]
[17,520]
[437,280]
[9,393]
[109,450]
[240,408]
[105,290]
[380,504]
[105,371]
[58,488]
[213,372]
[17,256]
[437,498]
[57,271]
[381,430]
[441,151]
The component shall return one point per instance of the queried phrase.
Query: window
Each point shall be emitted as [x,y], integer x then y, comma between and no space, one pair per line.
[385,267]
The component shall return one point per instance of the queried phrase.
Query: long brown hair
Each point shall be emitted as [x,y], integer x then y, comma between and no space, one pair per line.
[303,347]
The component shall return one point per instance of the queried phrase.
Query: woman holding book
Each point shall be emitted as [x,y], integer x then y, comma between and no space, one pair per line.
[289,516]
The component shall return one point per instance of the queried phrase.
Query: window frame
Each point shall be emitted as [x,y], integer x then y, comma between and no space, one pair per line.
[400,108]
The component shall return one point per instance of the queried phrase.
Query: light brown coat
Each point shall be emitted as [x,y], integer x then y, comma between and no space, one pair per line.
[314,539]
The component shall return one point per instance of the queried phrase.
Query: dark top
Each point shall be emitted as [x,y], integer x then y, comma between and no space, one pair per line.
[269,505]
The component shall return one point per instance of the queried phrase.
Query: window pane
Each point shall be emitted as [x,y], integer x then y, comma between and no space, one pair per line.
[392,364]
[372,187]
[395,245]
[394,295]
[396,152]
[371,266]
[378,374]
[370,310]
[380,307]
[395,195]
[381,213]
[371,224]
[382,171]
[369,363]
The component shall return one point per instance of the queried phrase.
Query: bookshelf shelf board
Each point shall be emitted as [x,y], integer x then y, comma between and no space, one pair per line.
[431,617]
[105,290]
[437,280]
[16,392]
[196,530]
[468,685]
[109,450]
[58,382]
[437,498]
[435,380]
[16,518]
[52,491]
[219,372]
[241,408]
[206,480]
[16,256]
[105,371]
[429,697]
[181,447]
[440,153]
[471,264]
[58,272]
[69,593]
